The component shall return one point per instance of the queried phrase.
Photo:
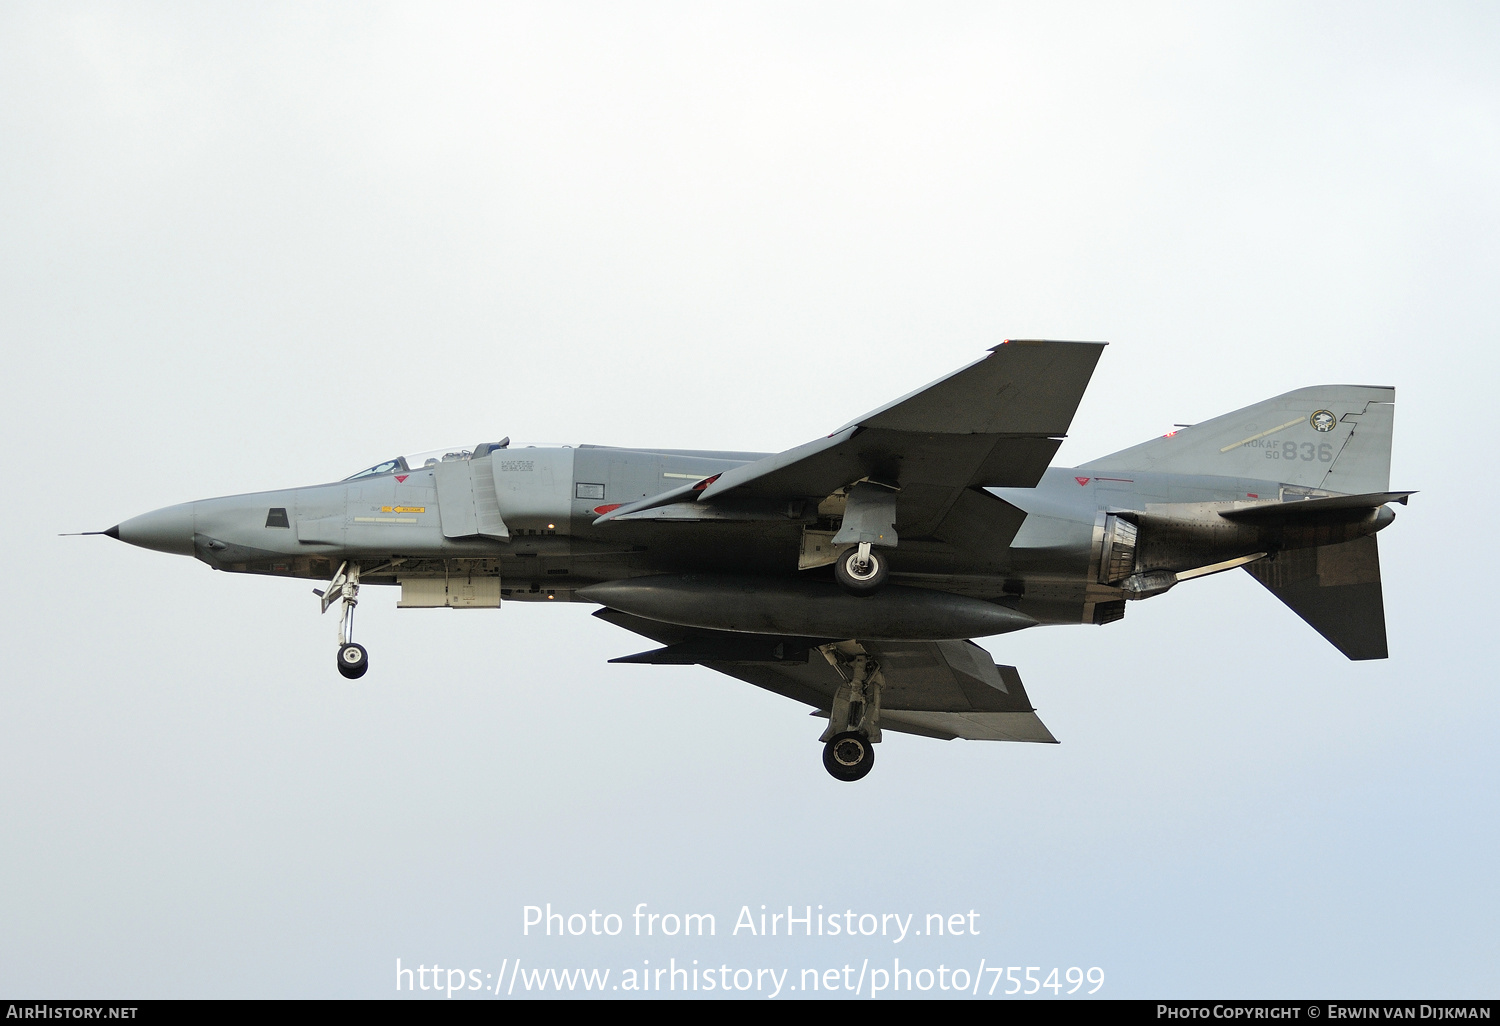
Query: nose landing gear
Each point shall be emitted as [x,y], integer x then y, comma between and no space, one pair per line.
[353,660]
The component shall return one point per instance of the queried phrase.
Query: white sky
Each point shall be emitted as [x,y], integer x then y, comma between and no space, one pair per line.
[250,246]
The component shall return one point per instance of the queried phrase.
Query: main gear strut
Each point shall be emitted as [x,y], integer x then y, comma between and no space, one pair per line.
[854,718]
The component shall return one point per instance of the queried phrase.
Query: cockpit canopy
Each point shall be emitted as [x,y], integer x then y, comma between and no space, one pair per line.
[404,464]
[388,467]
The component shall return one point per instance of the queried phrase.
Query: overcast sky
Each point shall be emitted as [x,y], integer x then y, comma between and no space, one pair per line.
[254,246]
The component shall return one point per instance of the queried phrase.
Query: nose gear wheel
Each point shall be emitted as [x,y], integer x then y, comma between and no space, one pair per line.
[353,660]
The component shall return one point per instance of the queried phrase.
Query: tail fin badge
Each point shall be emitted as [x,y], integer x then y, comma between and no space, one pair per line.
[1323,420]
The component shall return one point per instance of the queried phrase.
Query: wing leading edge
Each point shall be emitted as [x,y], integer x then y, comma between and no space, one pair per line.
[994,423]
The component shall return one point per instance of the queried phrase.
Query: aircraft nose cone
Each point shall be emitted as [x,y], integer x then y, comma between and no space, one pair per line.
[165,530]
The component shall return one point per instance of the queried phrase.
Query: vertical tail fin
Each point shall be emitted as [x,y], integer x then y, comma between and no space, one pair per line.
[1333,437]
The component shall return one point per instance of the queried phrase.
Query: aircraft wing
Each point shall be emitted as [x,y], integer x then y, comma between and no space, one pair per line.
[941,689]
[996,422]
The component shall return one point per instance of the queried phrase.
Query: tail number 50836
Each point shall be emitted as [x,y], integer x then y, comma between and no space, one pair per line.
[1322,452]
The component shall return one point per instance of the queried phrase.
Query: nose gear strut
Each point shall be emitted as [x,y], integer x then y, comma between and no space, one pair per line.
[353,660]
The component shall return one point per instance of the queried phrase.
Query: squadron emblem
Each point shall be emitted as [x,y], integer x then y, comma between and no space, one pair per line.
[1323,420]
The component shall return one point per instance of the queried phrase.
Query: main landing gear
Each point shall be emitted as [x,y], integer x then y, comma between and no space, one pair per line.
[869,519]
[849,755]
[861,570]
[353,660]
[854,719]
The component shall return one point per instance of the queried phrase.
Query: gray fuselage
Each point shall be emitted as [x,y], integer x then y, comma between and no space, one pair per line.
[527,517]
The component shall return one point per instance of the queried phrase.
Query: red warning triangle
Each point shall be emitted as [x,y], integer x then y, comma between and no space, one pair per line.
[402,477]
[1081,481]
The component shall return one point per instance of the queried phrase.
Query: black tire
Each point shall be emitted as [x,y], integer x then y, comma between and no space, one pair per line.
[848,756]
[353,660]
[862,577]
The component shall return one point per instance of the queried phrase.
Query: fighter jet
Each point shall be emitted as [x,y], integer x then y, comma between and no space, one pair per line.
[850,573]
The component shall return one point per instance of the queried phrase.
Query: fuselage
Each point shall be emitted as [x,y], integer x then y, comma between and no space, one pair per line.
[522,522]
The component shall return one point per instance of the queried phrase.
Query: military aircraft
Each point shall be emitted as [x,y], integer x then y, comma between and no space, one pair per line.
[849,573]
